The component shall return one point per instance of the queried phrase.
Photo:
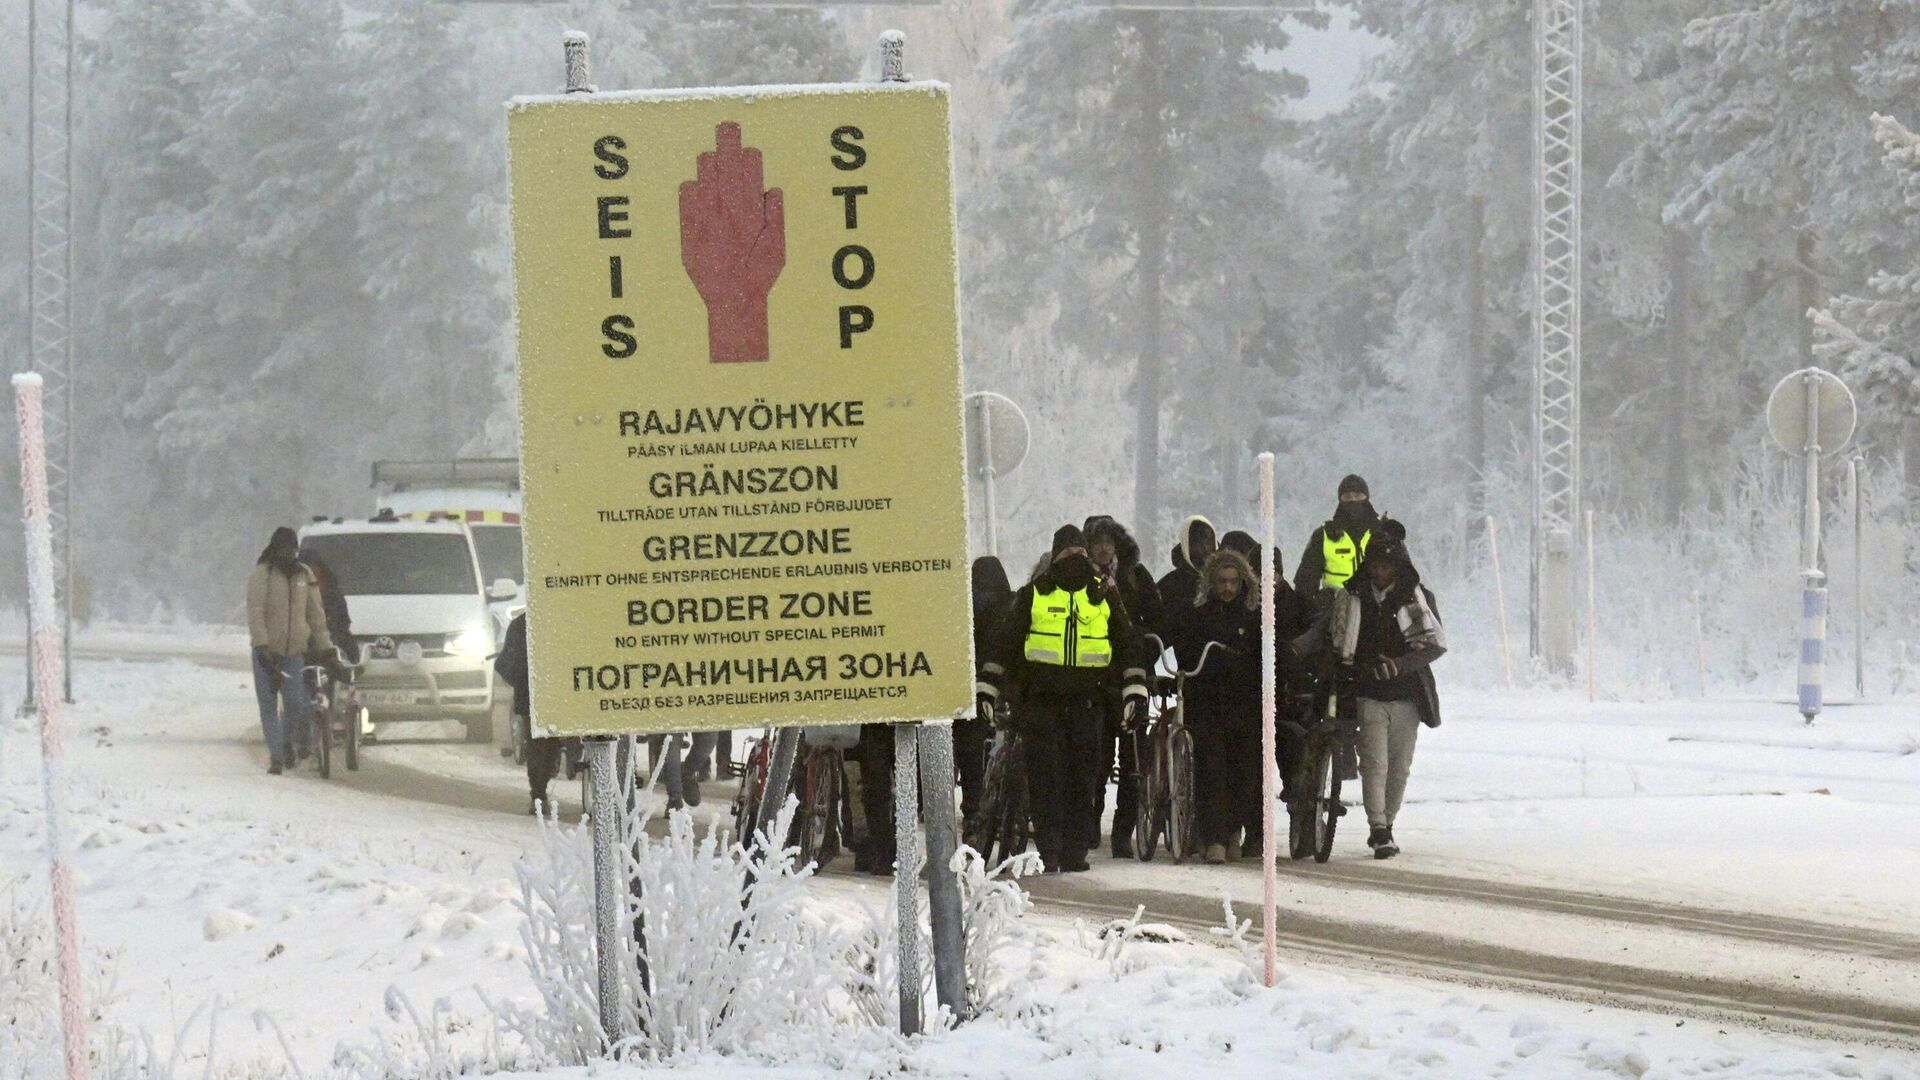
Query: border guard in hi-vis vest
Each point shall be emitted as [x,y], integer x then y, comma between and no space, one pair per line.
[1336,548]
[1066,642]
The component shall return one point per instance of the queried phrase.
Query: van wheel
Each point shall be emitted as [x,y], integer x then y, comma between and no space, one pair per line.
[480,729]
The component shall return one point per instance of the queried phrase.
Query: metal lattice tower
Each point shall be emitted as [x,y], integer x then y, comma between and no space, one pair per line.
[50,277]
[1557,255]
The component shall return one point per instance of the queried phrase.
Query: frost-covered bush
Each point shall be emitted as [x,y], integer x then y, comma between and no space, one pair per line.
[758,972]
[30,1042]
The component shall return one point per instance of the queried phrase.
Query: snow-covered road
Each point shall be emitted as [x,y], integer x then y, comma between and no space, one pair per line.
[307,901]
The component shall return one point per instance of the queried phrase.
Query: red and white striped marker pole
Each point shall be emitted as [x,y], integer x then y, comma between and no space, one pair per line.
[48,692]
[1269,678]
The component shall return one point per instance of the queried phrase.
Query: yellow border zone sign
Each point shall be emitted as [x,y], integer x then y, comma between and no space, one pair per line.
[740,408]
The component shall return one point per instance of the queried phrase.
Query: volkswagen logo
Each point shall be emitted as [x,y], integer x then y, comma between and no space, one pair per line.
[382,648]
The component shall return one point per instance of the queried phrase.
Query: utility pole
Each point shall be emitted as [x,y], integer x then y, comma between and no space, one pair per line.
[1557,252]
[50,280]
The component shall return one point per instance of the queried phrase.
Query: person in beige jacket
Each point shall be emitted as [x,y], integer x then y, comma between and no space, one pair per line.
[286,623]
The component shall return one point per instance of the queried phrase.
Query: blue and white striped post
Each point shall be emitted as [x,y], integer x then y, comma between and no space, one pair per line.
[1813,644]
[1813,587]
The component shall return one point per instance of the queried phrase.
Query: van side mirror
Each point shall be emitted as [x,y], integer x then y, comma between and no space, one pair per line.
[503,589]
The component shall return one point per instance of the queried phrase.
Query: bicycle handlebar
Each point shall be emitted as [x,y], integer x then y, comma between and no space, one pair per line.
[1211,645]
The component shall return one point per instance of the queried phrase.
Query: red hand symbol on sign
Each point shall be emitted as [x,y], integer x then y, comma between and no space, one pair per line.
[733,242]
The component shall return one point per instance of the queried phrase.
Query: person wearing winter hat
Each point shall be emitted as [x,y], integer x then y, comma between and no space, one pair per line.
[1242,543]
[1117,558]
[1337,547]
[1399,638]
[1064,647]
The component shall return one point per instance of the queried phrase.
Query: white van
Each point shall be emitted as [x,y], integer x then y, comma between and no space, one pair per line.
[420,615]
[484,493]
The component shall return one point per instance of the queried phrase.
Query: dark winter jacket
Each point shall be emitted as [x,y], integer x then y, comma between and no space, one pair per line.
[511,664]
[1004,667]
[1181,584]
[1400,637]
[1313,561]
[991,595]
[1137,587]
[334,604]
[1226,693]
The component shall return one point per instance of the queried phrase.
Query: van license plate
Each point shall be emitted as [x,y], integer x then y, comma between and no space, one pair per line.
[389,697]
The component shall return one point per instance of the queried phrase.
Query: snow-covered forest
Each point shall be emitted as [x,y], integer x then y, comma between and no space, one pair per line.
[292,260]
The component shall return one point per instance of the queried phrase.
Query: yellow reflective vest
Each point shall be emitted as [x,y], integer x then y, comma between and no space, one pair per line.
[1342,556]
[1069,629]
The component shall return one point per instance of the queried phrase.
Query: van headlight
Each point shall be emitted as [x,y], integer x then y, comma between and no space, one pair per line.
[474,641]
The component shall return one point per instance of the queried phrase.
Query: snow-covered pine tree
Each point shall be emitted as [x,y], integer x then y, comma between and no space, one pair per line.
[1134,216]
[428,183]
[265,398]
[1873,336]
[1762,148]
[1434,157]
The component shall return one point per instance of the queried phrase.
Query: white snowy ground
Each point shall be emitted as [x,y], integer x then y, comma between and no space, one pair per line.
[207,883]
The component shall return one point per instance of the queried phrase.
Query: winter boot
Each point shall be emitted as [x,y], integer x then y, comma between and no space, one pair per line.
[1216,854]
[1122,846]
[1386,848]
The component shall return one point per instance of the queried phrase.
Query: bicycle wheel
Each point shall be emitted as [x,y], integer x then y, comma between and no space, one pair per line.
[1303,813]
[323,739]
[356,720]
[814,815]
[985,835]
[746,804]
[1147,827]
[1182,827]
[1018,821]
[1326,811]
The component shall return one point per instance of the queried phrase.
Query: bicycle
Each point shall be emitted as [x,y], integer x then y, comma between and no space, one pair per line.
[823,819]
[1164,763]
[1004,823]
[1331,757]
[334,712]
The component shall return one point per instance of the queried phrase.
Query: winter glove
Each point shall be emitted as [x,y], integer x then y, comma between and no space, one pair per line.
[266,657]
[1384,669]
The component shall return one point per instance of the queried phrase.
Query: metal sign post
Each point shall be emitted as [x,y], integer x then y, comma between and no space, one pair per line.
[943,891]
[1269,691]
[997,440]
[1811,411]
[1856,467]
[906,870]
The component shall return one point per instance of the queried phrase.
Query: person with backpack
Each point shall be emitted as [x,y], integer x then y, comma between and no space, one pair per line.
[286,623]
[1065,644]
[1399,638]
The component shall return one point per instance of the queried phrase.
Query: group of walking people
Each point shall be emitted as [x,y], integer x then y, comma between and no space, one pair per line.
[1072,656]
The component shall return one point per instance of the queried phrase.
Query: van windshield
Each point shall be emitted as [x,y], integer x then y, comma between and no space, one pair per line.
[397,563]
[499,550]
